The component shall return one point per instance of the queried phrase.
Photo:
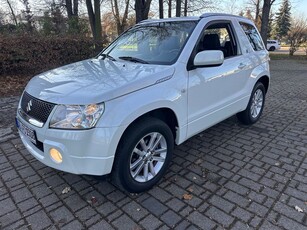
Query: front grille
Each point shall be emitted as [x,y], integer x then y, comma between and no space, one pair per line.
[35,108]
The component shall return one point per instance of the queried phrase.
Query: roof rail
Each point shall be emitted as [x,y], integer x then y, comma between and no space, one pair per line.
[206,15]
[169,19]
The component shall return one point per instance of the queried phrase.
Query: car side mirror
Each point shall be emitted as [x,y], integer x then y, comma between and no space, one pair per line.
[209,58]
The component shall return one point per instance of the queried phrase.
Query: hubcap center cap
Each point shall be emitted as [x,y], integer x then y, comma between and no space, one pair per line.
[147,156]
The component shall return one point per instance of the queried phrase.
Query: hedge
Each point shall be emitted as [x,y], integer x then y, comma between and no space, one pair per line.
[26,54]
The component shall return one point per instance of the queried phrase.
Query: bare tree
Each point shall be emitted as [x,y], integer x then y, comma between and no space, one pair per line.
[267,4]
[161,9]
[142,8]
[178,8]
[169,3]
[200,6]
[9,3]
[121,21]
[297,34]
[72,9]
[231,6]
[95,19]
[185,8]
[255,6]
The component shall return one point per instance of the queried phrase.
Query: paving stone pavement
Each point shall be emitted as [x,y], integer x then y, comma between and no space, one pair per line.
[237,177]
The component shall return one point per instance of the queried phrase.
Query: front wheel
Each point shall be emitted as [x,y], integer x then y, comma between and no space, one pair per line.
[255,106]
[143,155]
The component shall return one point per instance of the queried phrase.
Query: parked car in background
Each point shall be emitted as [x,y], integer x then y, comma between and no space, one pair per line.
[158,84]
[272,45]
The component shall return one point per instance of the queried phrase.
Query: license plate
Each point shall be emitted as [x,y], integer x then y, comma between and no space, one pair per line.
[28,132]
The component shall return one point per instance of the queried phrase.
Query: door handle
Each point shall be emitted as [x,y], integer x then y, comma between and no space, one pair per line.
[241,66]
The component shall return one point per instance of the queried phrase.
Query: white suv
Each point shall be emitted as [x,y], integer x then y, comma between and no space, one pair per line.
[158,84]
[272,45]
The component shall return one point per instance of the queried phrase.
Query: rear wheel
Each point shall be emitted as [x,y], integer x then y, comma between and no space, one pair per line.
[255,106]
[143,155]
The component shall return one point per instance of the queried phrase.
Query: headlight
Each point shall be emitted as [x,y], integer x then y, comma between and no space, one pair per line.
[76,116]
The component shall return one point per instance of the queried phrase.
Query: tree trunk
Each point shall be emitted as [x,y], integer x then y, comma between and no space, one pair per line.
[169,8]
[125,17]
[115,11]
[185,10]
[178,8]
[68,4]
[138,11]
[265,19]
[91,16]
[142,8]
[95,21]
[147,8]
[161,15]
[98,28]
[76,8]
[72,8]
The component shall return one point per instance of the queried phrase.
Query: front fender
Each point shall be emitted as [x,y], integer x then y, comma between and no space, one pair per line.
[124,110]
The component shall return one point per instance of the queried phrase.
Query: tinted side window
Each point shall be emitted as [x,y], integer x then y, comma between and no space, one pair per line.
[253,36]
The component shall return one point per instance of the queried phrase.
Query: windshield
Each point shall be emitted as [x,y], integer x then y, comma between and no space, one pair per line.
[155,43]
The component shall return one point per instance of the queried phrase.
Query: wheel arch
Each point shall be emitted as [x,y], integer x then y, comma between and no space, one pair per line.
[265,80]
[164,114]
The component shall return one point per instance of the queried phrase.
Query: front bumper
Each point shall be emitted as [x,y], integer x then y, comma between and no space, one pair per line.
[83,151]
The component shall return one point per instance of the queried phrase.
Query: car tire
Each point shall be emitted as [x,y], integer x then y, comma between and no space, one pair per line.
[255,106]
[143,155]
[272,48]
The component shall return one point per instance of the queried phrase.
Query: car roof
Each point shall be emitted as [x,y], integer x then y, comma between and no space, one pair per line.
[191,18]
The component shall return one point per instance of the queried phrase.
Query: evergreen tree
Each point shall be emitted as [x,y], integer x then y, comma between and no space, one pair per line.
[47,24]
[283,18]
[271,29]
[58,21]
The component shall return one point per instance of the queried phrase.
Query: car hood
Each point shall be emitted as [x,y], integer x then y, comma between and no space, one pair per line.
[94,81]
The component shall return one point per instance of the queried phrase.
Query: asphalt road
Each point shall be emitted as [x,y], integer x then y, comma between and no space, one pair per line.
[228,177]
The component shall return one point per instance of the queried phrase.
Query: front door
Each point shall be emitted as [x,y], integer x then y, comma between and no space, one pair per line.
[215,93]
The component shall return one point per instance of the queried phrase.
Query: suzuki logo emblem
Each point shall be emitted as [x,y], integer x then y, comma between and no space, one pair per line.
[29,105]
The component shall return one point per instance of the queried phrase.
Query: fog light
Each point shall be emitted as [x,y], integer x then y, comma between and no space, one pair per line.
[55,155]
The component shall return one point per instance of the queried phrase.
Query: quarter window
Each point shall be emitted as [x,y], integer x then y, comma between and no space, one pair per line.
[253,36]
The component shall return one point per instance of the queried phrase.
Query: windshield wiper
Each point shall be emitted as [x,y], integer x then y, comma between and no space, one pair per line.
[133,59]
[104,56]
